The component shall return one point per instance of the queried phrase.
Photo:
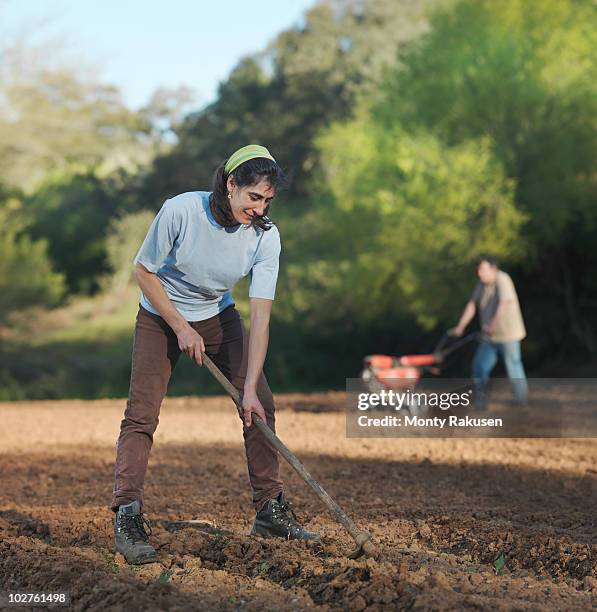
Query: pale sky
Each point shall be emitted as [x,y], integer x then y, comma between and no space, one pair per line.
[140,45]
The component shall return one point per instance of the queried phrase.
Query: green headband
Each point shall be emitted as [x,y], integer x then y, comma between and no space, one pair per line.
[245,154]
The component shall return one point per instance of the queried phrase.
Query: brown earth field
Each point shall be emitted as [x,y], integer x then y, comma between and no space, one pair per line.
[441,511]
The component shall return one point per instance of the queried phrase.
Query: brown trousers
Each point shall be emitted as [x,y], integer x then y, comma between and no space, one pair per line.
[155,354]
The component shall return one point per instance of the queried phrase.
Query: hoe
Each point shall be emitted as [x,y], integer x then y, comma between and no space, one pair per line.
[364,545]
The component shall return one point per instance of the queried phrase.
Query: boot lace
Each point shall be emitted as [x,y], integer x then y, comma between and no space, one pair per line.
[133,527]
[284,513]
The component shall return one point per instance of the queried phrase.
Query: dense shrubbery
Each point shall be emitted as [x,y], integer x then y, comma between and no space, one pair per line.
[26,274]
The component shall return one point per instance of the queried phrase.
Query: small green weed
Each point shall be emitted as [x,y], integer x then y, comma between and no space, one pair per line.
[499,564]
[164,577]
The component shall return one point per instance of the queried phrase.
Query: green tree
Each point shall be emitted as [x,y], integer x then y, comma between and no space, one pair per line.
[524,74]
[413,214]
[309,75]
[26,274]
[125,236]
[52,118]
[72,213]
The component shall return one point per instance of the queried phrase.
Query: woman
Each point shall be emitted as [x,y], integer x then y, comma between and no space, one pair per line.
[198,246]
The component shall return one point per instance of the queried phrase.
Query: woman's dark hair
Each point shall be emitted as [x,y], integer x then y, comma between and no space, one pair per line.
[248,173]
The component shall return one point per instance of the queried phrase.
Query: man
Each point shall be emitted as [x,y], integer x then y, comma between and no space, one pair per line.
[198,246]
[495,299]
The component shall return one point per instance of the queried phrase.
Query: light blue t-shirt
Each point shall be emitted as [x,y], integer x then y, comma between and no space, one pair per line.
[198,261]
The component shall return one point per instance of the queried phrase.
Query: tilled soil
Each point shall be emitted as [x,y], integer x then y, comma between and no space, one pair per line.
[440,511]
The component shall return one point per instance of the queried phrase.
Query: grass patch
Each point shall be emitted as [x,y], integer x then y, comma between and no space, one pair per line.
[110,561]
[83,351]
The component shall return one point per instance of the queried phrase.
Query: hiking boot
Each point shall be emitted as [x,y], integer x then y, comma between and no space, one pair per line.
[131,539]
[277,519]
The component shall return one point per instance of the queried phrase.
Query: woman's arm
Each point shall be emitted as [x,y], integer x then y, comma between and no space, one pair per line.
[189,340]
[258,341]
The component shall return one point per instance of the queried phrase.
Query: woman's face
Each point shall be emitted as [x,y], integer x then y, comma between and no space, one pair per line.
[251,200]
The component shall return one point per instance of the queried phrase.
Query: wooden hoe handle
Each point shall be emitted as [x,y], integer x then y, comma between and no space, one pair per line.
[362,538]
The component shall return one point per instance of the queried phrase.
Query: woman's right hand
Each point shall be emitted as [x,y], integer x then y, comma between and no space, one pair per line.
[191,343]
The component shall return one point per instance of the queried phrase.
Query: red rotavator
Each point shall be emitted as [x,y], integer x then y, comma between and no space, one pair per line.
[402,373]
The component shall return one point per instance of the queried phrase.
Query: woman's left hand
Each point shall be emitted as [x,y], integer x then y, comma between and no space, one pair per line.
[251,404]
